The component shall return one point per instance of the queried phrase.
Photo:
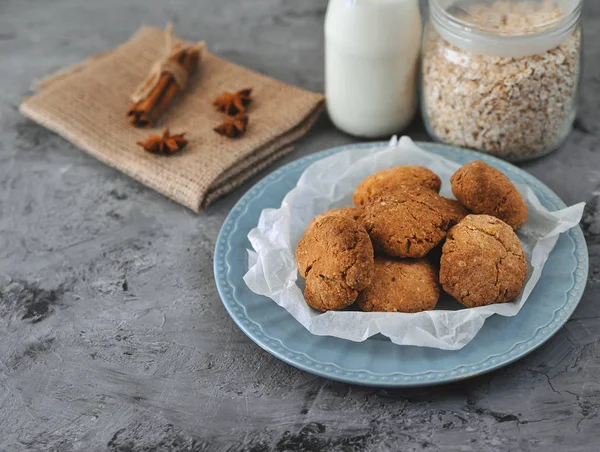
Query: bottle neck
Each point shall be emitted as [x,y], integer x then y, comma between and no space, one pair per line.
[502,41]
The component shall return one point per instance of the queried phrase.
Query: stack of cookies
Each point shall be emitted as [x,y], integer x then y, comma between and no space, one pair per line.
[402,240]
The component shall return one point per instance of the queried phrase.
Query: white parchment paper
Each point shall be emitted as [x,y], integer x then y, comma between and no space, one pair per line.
[329,183]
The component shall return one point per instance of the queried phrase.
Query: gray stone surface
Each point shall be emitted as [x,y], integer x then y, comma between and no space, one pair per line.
[112,334]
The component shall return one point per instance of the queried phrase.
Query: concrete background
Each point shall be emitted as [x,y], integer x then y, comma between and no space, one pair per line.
[112,335]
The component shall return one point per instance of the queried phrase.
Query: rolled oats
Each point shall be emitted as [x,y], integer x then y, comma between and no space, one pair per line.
[514,108]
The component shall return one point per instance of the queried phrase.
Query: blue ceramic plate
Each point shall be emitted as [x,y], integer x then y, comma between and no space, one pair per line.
[377,361]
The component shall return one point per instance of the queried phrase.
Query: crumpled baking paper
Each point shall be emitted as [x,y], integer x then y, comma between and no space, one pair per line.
[329,183]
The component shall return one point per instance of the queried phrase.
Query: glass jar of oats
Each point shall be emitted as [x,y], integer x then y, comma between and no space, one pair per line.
[501,76]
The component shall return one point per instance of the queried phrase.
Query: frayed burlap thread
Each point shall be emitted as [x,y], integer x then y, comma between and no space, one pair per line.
[86,105]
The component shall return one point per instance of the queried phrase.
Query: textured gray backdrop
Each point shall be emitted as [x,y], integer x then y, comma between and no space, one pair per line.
[112,335]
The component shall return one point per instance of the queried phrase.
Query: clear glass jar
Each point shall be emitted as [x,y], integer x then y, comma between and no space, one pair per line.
[501,76]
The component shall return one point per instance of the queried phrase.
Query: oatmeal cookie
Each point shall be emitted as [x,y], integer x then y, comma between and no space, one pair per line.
[482,262]
[486,190]
[390,178]
[335,256]
[408,221]
[401,285]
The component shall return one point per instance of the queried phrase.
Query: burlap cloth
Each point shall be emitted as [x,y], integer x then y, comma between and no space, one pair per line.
[87,105]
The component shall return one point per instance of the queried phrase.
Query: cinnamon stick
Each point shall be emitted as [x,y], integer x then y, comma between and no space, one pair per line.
[172,73]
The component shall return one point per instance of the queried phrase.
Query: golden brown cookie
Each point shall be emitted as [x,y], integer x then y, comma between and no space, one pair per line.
[408,221]
[353,213]
[486,190]
[390,178]
[482,262]
[401,285]
[335,256]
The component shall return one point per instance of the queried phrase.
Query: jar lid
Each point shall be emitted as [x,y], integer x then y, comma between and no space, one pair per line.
[505,28]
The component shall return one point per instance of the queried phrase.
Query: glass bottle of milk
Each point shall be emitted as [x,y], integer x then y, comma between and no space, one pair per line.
[371,62]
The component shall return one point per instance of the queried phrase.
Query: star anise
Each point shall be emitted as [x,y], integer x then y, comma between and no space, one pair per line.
[233,126]
[233,103]
[165,144]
